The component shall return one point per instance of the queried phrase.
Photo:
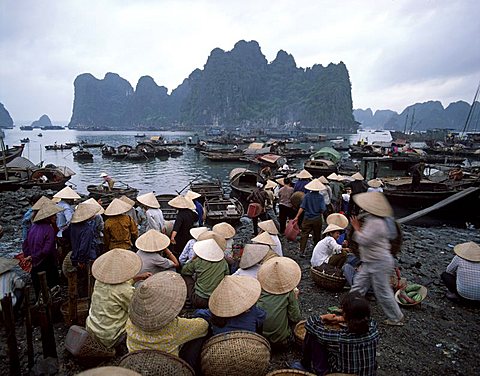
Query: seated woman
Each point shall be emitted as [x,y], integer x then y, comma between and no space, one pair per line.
[270,227]
[279,277]
[327,250]
[341,344]
[252,256]
[227,232]
[154,324]
[462,277]
[187,253]
[114,272]
[232,306]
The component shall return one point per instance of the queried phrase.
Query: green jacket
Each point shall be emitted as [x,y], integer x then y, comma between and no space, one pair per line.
[209,274]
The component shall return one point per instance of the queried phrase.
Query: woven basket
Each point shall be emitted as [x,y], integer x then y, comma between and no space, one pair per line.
[82,311]
[299,333]
[327,281]
[238,353]
[83,345]
[289,372]
[154,362]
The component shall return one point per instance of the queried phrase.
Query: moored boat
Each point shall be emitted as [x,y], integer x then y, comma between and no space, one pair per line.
[11,153]
[243,182]
[58,147]
[169,213]
[82,155]
[228,210]
[207,189]
[98,192]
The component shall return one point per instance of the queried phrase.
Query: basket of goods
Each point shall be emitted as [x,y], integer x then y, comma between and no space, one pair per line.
[328,277]
[289,372]
[155,362]
[235,353]
[412,295]
[299,333]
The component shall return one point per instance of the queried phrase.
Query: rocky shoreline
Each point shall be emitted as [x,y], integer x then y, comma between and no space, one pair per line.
[440,337]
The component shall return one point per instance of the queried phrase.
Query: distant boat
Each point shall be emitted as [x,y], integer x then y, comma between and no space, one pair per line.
[58,147]
[24,140]
[140,135]
[82,155]
[40,135]
[26,128]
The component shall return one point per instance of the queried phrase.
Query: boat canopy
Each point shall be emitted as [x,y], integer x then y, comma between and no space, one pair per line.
[272,158]
[66,171]
[327,153]
[21,162]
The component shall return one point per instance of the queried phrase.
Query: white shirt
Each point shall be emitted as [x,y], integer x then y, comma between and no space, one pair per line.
[327,195]
[250,272]
[64,217]
[323,250]
[155,219]
[371,189]
[277,248]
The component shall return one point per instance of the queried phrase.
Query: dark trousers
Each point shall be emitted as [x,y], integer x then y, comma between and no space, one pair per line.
[285,213]
[49,266]
[190,352]
[450,281]
[262,217]
[338,260]
[310,225]
[315,356]
[195,300]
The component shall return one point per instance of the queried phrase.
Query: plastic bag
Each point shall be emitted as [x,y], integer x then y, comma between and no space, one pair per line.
[292,230]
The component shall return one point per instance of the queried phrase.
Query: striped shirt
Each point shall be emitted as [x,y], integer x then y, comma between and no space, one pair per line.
[468,277]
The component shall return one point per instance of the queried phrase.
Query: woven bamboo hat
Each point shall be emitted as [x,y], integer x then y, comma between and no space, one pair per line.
[7,264]
[270,184]
[47,210]
[268,256]
[225,229]
[315,185]
[234,295]
[152,241]
[469,251]
[221,241]
[196,231]
[344,178]
[117,207]
[127,200]
[192,195]
[331,228]
[42,200]
[337,219]
[181,202]
[264,238]
[375,203]
[84,211]
[304,174]
[208,250]
[333,176]
[279,275]
[281,181]
[375,183]
[268,226]
[116,266]
[357,176]
[158,300]
[92,201]
[253,254]
[149,199]
[108,371]
[323,180]
[67,193]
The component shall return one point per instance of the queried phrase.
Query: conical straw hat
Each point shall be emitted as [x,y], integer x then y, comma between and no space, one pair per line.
[253,254]
[333,176]
[152,241]
[279,275]
[221,241]
[192,195]
[127,200]
[343,178]
[116,266]
[234,295]
[181,202]
[304,174]
[323,180]
[264,238]
[149,199]
[157,301]
[357,176]
[374,183]
[270,184]
[117,207]
[337,219]
[268,226]
[375,203]
[315,185]
[196,231]
[109,371]
[67,193]
[225,229]
[84,211]
[270,254]
[331,228]
[469,251]
[40,202]
[47,210]
[7,264]
[208,250]
[92,201]
[281,181]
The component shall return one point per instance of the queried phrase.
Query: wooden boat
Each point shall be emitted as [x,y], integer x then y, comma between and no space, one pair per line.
[169,213]
[58,147]
[86,144]
[11,153]
[228,210]
[223,156]
[208,190]
[140,135]
[243,182]
[98,192]
[174,143]
[174,151]
[25,140]
[121,152]
[146,148]
[82,155]
[39,135]
[320,167]
[108,151]
[135,155]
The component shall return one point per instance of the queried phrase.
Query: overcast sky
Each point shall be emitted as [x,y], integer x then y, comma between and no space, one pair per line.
[397,52]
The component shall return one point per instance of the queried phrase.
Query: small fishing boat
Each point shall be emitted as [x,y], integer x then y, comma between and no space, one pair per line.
[58,147]
[25,140]
[208,189]
[26,128]
[121,152]
[243,182]
[82,155]
[135,155]
[146,148]
[228,210]
[98,192]
[140,135]
[86,144]
[169,213]
[320,167]
[223,156]
[11,153]
[39,135]
[174,151]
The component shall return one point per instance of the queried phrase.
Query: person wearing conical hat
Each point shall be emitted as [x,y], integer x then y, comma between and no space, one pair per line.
[252,257]
[99,226]
[357,185]
[195,197]
[153,250]
[462,277]
[132,212]
[188,253]
[279,278]
[375,185]
[232,306]
[337,189]
[108,182]
[327,250]
[271,228]
[185,220]
[227,231]
[30,213]
[153,213]
[10,280]
[304,178]
[40,246]
[258,196]
[373,238]
[120,229]
[285,207]
[66,197]
[209,266]
[115,271]
[271,202]
[312,207]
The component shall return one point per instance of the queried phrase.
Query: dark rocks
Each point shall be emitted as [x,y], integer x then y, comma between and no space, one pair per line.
[6,120]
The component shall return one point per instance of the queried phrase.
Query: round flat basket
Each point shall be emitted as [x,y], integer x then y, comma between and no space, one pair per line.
[236,353]
[154,362]
[327,281]
[422,291]
[289,372]
[299,333]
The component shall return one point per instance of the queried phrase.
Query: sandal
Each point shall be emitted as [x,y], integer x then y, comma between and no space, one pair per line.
[400,322]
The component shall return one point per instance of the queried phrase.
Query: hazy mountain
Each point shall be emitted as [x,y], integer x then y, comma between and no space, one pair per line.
[43,121]
[6,120]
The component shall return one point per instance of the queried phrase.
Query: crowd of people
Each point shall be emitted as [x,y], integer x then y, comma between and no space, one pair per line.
[148,273]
